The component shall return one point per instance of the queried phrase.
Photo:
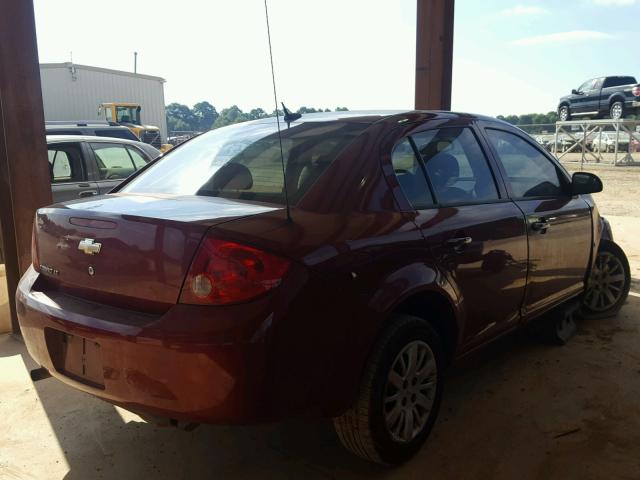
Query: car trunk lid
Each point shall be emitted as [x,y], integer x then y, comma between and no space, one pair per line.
[136,260]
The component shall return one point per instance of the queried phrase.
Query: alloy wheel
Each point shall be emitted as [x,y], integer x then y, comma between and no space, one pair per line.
[564,113]
[616,111]
[410,392]
[606,285]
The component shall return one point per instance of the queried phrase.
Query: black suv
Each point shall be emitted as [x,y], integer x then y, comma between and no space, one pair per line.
[91,128]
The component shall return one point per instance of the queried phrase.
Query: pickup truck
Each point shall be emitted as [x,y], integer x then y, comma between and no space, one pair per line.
[598,97]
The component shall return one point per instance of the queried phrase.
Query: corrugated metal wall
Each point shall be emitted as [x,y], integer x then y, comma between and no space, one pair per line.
[76,95]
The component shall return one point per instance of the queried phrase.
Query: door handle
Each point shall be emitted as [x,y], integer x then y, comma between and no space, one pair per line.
[540,225]
[458,242]
[88,193]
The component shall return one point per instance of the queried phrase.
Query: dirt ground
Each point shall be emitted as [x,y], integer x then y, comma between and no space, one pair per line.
[519,409]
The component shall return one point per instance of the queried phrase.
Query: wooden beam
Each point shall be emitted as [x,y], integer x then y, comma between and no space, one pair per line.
[434,54]
[24,167]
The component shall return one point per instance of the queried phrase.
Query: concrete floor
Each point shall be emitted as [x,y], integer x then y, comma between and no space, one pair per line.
[518,409]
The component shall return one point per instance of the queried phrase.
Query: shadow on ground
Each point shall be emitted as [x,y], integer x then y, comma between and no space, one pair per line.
[516,409]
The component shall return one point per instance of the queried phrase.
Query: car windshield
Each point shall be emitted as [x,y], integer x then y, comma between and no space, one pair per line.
[243,161]
[128,115]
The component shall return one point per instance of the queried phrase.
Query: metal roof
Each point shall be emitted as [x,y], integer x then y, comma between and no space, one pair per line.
[103,70]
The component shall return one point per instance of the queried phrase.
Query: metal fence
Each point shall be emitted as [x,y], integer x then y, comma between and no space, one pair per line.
[590,141]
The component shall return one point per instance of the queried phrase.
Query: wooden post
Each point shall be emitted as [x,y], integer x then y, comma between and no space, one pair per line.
[24,170]
[434,54]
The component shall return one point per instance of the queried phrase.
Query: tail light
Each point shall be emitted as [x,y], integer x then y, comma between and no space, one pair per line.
[636,90]
[225,272]
[35,259]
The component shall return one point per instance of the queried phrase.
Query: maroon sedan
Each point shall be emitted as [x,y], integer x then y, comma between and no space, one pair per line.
[192,293]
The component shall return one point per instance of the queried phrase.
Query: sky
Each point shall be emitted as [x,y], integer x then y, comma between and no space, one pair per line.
[509,57]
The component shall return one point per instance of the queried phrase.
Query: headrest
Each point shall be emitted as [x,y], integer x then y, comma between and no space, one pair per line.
[232,176]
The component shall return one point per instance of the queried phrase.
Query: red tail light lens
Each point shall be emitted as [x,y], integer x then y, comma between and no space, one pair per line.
[227,272]
[636,91]
[35,259]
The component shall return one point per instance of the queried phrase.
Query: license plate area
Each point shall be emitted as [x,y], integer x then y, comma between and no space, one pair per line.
[75,357]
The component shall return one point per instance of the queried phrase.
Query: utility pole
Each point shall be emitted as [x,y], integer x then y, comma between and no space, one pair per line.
[135,62]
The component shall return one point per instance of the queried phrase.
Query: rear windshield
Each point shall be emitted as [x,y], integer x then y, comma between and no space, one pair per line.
[243,161]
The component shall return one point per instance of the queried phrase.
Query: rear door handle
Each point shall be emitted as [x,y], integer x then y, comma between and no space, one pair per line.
[88,193]
[458,242]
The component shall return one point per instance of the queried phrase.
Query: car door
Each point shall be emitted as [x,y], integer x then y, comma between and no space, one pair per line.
[559,224]
[113,163]
[591,97]
[476,235]
[69,180]
[579,102]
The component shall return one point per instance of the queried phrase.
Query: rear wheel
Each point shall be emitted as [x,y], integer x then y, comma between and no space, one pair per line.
[399,396]
[616,112]
[609,282]
[564,113]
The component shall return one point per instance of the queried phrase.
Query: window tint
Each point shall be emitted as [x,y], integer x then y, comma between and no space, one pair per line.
[138,160]
[530,172]
[64,163]
[113,161]
[456,166]
[62,132]
[410,175]
[244,161]
[618,81]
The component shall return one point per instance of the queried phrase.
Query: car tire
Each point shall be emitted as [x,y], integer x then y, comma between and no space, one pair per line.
[609,283]
[397,403]
[564,114]
[616,111]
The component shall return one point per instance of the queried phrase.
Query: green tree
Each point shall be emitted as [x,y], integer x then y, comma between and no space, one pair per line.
[205,115]
[257,113]
[229,116]
[342,109]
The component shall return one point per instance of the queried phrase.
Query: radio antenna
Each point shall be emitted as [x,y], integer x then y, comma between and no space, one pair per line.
[275,99]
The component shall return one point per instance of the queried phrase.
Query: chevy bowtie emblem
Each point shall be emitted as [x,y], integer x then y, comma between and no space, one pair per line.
[89,247]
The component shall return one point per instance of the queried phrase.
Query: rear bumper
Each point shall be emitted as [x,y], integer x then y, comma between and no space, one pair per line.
[183,364]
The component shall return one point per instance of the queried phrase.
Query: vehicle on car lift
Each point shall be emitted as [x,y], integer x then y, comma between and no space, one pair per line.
[128,114]
[207,288]
[614,96]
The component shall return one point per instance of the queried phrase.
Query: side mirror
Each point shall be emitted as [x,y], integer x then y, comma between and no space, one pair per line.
[583,182]
[575,92]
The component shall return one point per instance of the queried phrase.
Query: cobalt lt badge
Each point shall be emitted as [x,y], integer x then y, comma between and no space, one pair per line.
[89,246]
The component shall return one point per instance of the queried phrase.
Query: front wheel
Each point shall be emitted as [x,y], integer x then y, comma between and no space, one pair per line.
[399,395]
[564,113]
[609,282]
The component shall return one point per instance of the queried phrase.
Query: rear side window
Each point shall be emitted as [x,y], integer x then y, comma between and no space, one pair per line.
[63,132]
[456,166]
[530,172]
[138,160]
[410,175]
[618,81]
[65,163]
[113,161]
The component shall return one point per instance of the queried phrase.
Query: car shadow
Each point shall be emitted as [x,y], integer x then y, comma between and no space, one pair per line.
[98,441]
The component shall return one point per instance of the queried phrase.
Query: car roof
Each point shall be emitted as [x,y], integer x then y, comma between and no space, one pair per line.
[372,116]
[90,138]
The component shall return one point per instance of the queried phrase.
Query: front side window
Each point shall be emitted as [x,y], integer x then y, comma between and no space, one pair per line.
[586,86]
[410,175]
[456,166]
[113,161]
[529,171]
[243,161]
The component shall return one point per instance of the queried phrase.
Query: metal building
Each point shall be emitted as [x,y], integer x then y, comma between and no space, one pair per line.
[73,92]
